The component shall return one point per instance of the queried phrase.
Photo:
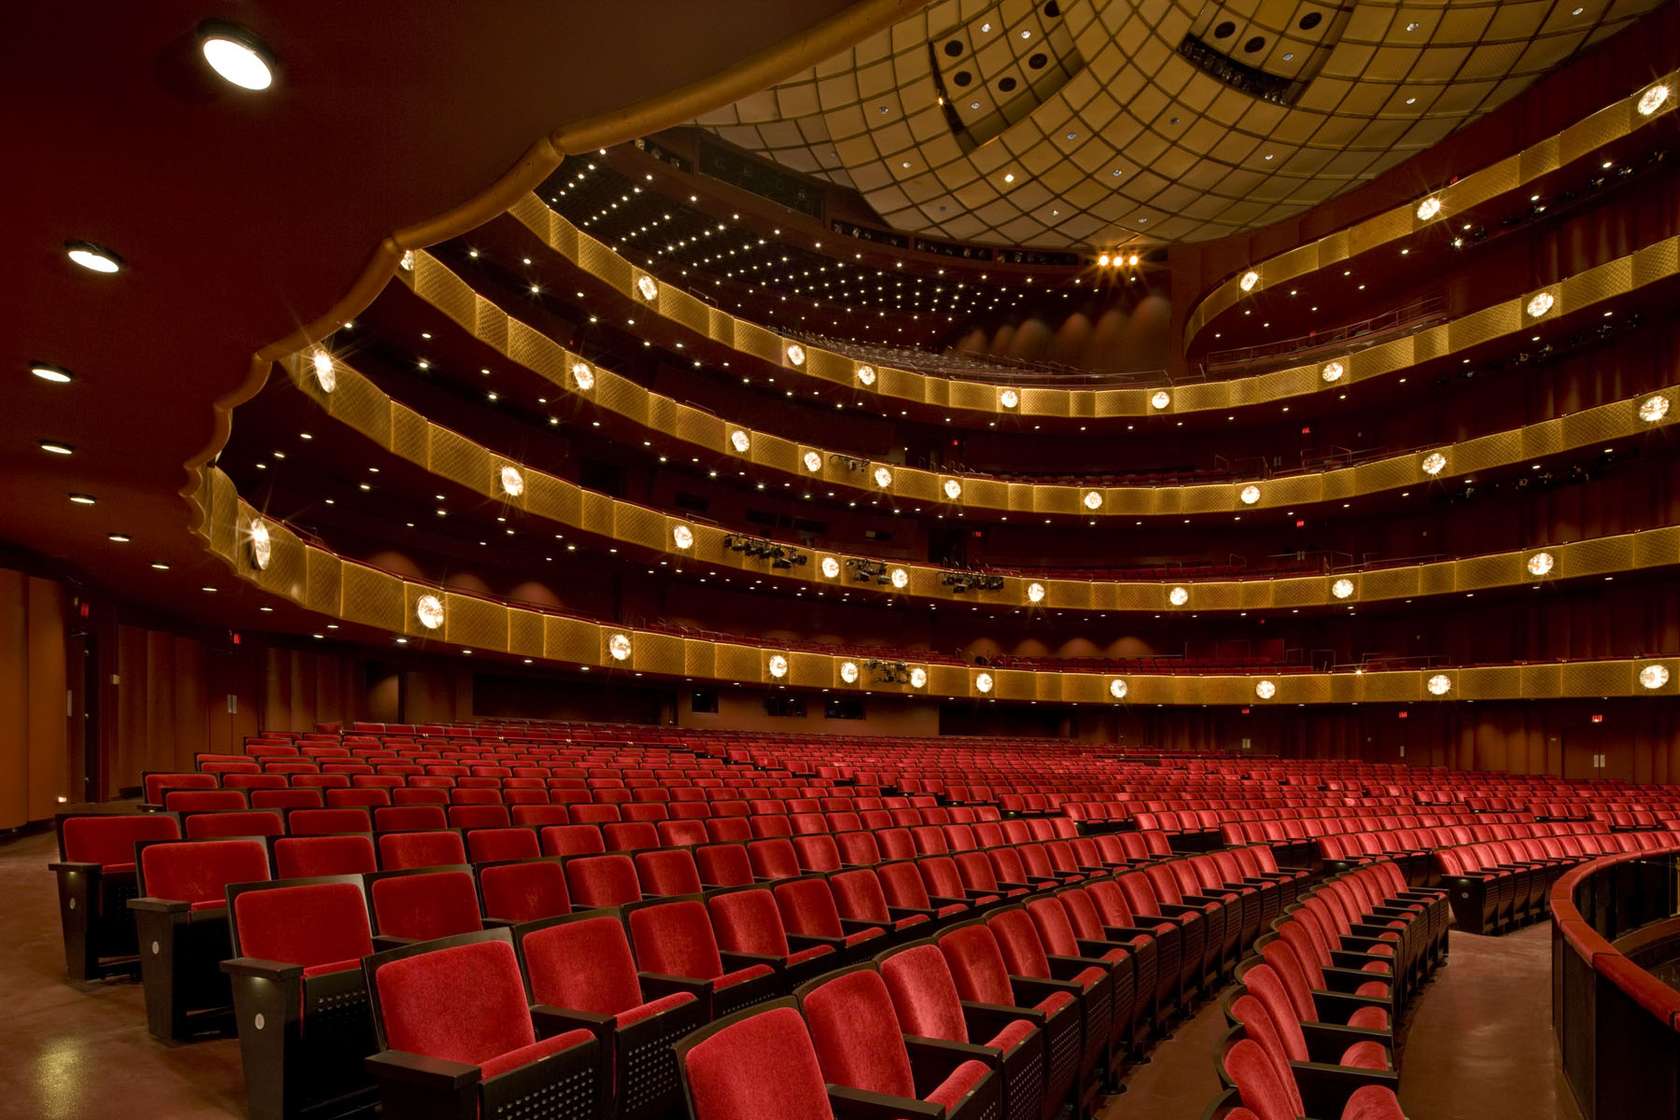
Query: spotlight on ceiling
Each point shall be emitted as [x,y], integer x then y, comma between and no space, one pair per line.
[63,376]
[94,258]
[237,56]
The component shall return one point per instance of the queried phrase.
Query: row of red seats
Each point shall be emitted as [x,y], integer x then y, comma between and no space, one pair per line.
[1315,1013]
[1499,885]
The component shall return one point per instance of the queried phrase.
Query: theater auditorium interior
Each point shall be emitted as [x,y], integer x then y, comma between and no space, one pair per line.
[841,560]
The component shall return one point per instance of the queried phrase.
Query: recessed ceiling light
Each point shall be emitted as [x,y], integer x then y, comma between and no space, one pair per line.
[118,538]
[94,258]
[159,565]
[53,447]
[82,499]
[51,373]
[236,55]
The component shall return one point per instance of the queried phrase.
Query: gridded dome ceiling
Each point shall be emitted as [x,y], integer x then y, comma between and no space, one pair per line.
[1096,123]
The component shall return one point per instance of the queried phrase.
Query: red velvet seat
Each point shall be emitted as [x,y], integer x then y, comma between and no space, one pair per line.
[96,878]
[327,822]
[580,970]
[224,825]
[524,890]
[674,943]
[906,890]
[572,840]
[858,897]
[604,880]
[492,845]
[773,859]
[758,1065]
[401,851]
[807,908]
[978,970]
[859,1046]
[925,1000]
[748,924]
[409,818]
[204,800]
[1088,981]
[423,905]
[181,921]
[299,997]
[309,857]
[665,872]
[459,1039]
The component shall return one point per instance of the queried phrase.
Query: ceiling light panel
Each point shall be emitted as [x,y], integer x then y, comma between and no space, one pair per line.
[1154,135]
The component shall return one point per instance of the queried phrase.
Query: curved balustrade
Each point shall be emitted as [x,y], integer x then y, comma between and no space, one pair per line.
[1617,1025]
[362,407]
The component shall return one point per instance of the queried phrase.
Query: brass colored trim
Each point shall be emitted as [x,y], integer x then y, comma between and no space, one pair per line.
[343,589]
[525,345]
[1607,125]
[361,406]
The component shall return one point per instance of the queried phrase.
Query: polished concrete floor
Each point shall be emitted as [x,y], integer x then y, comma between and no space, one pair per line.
[1479,1042]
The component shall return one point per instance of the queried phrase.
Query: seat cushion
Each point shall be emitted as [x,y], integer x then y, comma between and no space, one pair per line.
[861,936]
[649,1010]
[1369,1019]
[336,966]
[1365,1055]
[951,909]
[810,954]
[911,922]
[1375,989]
[959,1084]
[741,976]
[536,1051]
[1088,977]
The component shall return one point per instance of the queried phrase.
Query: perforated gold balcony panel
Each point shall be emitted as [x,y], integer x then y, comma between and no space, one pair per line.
[563,503]
[522,344]
[425,615]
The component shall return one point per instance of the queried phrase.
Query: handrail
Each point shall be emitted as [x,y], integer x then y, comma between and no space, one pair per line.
[1617,1025]
[1397,322]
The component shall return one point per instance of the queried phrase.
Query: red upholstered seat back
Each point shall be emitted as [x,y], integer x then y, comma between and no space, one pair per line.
[321,923]
[426,906]
[1055,928]
[327,822]
[1259,1026]
[667,871]
[976,871]
[1266,1094]
[250,822]
[409,818]
[629,836]
[858,848]
[760,1068]
[902,885]
[572,840]
[748,922]
[924,995]
[808,907]
[1023,953]
[1373,1102]
[1299,978]
[816,853]
[682,833]
[1082,915]
[203,800]
[605,880]
[1007,865]
[857,895]
[307,857]
[977,965]
[524,892]
[399,851]
[582,966]
[461,1004]
[940,877]
[773,859]
[109,840]
[855,1032]
[1264,986]
[489,845]
[1110,901]
[675,938]
[723,865]
[200,872]
[538,815]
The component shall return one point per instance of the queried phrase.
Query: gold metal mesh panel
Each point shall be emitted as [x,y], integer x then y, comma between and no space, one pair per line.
[658,653]
[470,621]
[410,434]
[460,460]
[570,639]
[525,632]
[372,597]
[1604,678]
[323,582]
